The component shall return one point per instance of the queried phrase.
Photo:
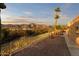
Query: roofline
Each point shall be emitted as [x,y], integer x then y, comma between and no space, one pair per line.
[76,20]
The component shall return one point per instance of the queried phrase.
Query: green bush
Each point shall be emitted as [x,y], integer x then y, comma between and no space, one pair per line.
[31,33]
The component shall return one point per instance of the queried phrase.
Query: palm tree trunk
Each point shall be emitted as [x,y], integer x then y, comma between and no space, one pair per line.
[56,24]
[0,18]
[0,30]
[0,22]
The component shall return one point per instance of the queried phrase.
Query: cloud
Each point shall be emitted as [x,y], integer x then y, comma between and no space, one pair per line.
[12,19]
[5,14]
[28,13]
[8,17]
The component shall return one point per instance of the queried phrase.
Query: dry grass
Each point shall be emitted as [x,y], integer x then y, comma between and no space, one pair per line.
[9,48]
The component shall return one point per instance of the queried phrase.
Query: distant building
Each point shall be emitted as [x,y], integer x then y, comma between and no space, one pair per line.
[72,31]
[71,36]
[74,23]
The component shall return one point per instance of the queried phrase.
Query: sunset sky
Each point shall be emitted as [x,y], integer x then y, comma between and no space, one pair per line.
[38,13]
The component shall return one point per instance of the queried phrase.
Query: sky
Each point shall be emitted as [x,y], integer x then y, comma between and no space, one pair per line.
[17,13]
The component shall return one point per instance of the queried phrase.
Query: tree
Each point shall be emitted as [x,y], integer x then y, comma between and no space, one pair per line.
[57,11]
[2,6]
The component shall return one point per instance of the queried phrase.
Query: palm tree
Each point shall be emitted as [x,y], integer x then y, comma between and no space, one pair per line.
[57,11]
[2,6]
